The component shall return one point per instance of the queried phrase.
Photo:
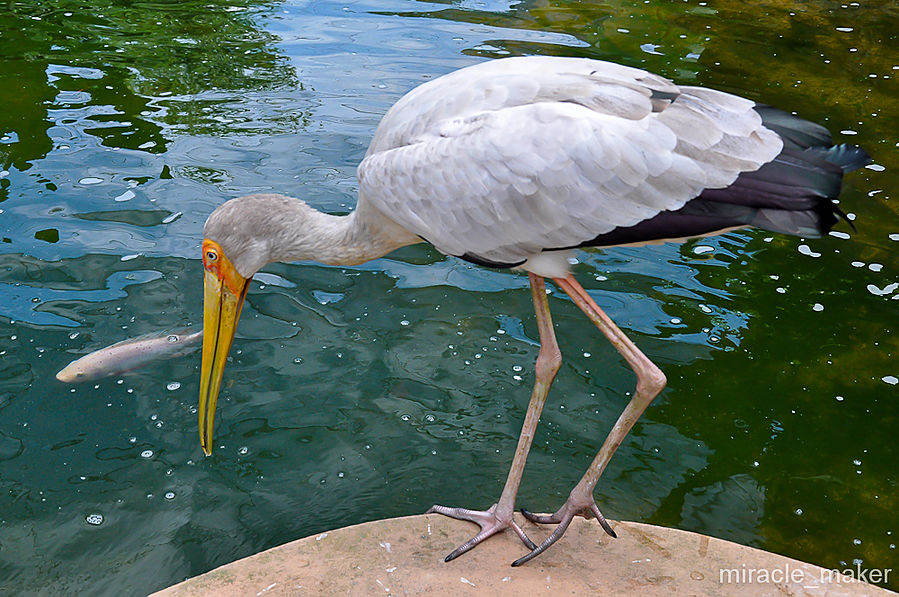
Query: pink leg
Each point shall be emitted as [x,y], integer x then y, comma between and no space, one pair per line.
[549,359]
[650,381]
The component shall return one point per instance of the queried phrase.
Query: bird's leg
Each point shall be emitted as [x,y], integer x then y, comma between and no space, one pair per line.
[549,359]
[650,381]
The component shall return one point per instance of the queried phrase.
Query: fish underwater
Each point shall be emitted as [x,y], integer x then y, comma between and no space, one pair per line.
[130,354]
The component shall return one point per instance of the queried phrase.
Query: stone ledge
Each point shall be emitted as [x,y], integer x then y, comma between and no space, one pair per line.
[404,556]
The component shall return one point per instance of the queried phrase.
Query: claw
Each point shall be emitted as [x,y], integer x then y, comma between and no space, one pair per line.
[602,521]
[556,535]
[563,517]
[486,519]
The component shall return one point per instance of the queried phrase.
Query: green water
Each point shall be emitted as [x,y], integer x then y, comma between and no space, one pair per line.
[369,392]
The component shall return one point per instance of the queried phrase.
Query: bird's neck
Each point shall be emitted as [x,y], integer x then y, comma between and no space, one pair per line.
[362,235]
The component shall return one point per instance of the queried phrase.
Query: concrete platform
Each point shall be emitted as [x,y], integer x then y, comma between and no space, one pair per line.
[404,556]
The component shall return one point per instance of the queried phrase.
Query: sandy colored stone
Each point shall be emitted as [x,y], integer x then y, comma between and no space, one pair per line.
[404,556]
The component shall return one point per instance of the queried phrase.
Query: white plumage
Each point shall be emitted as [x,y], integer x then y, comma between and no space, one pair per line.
[506,159]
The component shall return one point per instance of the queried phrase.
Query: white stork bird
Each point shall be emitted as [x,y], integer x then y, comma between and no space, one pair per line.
[514,163]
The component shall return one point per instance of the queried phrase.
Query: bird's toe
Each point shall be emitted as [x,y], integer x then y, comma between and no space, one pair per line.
[489,522]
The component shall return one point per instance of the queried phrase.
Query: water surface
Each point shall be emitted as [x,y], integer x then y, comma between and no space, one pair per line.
[374,391]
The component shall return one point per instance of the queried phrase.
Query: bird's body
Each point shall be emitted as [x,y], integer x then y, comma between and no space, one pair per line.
[513,163]
[536,154]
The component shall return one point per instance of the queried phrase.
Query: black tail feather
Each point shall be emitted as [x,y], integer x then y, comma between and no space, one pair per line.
[847,157]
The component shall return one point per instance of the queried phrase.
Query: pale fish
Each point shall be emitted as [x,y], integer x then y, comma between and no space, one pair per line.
[129,355]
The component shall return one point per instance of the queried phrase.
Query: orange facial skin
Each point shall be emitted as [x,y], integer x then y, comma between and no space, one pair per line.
[216,263]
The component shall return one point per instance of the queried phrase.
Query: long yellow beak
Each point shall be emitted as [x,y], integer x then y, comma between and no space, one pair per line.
[223,297]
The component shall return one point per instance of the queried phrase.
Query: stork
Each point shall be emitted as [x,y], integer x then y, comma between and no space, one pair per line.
[515,163]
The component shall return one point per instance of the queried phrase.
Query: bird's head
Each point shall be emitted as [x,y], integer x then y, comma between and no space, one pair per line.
[243,235]
[238,241]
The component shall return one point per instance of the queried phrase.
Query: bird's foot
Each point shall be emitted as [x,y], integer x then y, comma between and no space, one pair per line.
[488,520]
[563,517]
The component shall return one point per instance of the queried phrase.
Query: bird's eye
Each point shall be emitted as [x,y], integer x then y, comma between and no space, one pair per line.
[211,255]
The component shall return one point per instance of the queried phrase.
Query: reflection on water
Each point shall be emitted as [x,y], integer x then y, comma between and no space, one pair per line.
[375,391]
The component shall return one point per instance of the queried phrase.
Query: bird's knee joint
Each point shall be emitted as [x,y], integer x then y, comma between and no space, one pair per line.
[548,362]
[653,381]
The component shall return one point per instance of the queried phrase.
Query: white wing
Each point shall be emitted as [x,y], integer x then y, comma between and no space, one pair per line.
[508,158]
